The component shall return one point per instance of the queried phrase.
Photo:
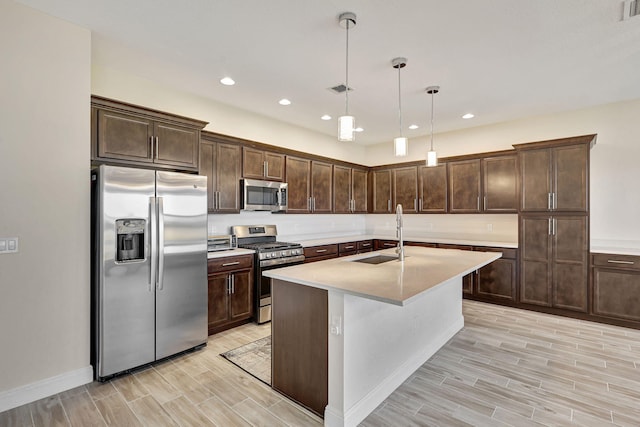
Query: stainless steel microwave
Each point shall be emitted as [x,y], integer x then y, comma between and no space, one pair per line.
[260,195]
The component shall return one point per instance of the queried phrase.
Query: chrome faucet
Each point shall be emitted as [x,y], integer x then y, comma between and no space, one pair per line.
[400,249]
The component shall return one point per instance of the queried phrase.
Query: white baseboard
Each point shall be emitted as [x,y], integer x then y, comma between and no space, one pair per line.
[40,389]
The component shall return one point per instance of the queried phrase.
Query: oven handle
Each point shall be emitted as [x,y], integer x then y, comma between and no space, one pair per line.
[281,261]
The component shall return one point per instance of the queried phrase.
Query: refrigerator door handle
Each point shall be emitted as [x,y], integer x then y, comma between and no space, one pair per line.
[160,284]
[153,243]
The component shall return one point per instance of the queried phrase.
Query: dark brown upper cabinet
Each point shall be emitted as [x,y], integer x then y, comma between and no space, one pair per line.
[310,186]
[260,164]
[321,187]
[349,190]
[135,136]
[555,175]
[382,191]
[500,184]
[464,186]
[405,189]
[220,163]
[432,189]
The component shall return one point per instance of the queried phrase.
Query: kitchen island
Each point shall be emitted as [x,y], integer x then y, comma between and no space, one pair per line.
[346,332]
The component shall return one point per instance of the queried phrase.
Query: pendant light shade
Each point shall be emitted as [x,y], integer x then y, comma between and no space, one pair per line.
[432,157]
[400,144]
[347,123]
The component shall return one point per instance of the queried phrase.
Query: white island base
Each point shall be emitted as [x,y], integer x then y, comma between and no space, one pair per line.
[375,346]
[346,334]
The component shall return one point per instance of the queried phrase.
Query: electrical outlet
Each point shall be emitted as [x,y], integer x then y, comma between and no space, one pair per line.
[8,245]
[336,325]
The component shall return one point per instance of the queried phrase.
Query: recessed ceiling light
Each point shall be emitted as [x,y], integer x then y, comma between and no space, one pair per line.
[468,116]
[358,130]
[284,101]
[227,81]
[326,117]
[414,127]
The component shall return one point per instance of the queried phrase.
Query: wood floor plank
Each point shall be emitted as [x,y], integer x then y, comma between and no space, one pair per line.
[292,415]
[158,387]
[130,387]
[150,413]
[186,413]
[82,411]
[222,414]
[257,415]
[48,412]
[17,417]
[116,412]
[190,388]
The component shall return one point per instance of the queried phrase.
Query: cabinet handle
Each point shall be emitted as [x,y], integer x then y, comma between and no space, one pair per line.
[389,205]
[313,204]
[549,201]
[152,146]
[228,264]
[233,284]
[415,205]
[478,203]
[319,251]
[309,204]
[553,201]
[228,285]
[366,245]
[351,247]
[157,150]
[420,204]
[615,261]
[549,226]
[484,203]
[389,245]
[265,167]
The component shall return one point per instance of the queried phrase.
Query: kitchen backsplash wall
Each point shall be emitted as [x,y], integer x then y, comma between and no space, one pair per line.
[496,228]
[292,227]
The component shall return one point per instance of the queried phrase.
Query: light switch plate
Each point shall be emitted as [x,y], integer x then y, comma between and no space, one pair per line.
[8,245]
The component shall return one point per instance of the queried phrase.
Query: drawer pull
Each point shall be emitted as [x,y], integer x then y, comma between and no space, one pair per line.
[615,261]
[364,245]
[228,264]
[348,247]
[319,251]
[389,244]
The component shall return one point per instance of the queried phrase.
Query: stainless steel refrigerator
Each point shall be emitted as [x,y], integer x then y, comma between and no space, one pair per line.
[149,272]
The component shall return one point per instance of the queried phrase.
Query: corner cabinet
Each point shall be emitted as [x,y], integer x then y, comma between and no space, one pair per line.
[220,163]
[131,135]
[230,283]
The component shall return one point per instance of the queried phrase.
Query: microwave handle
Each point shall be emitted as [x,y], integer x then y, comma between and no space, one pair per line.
[279,197]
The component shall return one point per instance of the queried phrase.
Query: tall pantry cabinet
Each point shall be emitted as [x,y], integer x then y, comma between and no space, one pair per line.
[554,223]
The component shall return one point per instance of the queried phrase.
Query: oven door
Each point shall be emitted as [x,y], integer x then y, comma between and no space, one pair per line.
[263,288]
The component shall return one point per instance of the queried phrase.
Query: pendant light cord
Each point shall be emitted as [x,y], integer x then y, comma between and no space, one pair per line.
[399,100]
[346,89]
[432,121]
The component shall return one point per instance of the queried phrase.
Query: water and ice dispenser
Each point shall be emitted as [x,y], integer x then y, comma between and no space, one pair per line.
[130,240]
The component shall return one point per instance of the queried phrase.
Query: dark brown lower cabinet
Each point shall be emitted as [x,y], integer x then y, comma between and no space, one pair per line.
[300,360]
[497,281]
[230,284]
[616,287]
[554,261]
[320,252]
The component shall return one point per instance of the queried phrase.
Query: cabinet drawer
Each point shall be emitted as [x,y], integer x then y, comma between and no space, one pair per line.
[347,247]
[386,244]
[365,245]
[322,250]
[230,263]
[507,253]
[627,262]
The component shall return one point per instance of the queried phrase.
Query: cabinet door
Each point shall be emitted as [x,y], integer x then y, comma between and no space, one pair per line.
[535,172]
[382,191]
[571,180]
[124,137]
[433,189]
[176,145]
[464,186]
[207,157]
[616,293]
[342,189]
[498,280]
[500,187]
[228,178]
[359,190]
[299,185]
[535,264]
[218,300]
[405,188]
[321,187]
[241,299]
[275,166]
[570,265]
[253,163]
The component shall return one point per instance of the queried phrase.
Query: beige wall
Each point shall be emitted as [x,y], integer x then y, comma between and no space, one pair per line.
[615,207]
[44,196]
[222,118]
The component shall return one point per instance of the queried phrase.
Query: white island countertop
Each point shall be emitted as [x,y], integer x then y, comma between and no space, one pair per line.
[459,239]
[392,282]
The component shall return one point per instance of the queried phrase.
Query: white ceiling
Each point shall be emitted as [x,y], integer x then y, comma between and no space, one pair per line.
[499,59]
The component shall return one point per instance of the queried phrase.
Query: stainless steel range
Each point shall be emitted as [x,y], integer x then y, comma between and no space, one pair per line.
[269,254]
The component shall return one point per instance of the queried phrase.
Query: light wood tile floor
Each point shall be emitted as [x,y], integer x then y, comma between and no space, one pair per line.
[507,367]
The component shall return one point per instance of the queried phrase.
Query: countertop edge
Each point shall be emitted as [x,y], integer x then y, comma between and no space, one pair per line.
[423,239]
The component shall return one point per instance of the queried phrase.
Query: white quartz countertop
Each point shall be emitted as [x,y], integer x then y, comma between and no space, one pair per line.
[393,282]
[229,252]
[454,240]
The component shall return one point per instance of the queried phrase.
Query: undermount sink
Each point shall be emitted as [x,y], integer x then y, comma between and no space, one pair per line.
[377,259]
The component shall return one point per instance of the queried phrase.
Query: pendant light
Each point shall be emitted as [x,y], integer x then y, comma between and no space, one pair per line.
[432,158]
[400,143]
[347,123]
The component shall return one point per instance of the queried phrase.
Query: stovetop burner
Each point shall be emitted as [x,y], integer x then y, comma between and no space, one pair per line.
[269,246]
